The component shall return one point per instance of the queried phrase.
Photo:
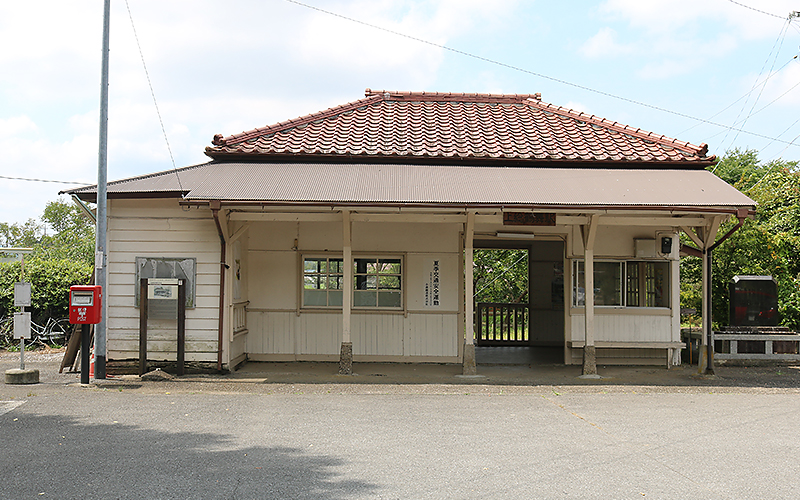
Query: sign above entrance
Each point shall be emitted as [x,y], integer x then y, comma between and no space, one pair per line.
[528,219]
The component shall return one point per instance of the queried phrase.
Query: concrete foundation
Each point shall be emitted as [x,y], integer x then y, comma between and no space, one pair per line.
[17,376]
[346,359]
[589,360]
[470,368]
[704,367]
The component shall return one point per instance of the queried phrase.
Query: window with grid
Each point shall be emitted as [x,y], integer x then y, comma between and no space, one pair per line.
[647,284]
[378,282]
[323,280]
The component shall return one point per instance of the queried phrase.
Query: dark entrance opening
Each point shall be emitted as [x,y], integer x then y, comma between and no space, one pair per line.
[519,302]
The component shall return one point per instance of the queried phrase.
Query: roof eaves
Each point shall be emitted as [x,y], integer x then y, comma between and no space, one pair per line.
[176,171]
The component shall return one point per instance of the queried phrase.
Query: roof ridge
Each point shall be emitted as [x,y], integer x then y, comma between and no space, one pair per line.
[664,140]
[219,140]
[390,95]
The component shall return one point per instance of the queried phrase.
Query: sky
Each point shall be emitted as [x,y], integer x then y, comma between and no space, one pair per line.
[720,72]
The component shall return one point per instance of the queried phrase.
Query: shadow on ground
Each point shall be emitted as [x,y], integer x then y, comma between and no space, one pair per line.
[61,457]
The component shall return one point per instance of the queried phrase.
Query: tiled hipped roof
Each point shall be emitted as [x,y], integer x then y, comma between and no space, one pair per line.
[449,126]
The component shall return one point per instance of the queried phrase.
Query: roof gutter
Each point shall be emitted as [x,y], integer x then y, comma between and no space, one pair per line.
[84,208]
[335,205]
[215,207]
[742,215]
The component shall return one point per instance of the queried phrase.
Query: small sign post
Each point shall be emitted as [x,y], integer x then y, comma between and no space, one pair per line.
[22,321]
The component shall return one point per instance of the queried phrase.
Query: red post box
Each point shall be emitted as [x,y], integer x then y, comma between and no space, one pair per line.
[85,304]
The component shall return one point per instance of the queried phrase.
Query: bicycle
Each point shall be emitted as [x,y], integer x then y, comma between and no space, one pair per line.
[54,331]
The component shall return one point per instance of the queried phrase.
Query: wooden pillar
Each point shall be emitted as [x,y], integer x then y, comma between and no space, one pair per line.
[346,354]
[469,365]
[589,351]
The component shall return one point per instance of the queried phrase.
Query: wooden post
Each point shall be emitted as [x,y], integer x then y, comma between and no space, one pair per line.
[142,326]
[346,354]
[589,351]
[469,365]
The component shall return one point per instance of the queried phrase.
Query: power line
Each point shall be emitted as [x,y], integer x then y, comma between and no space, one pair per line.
[763,82]
[44,180]
[529,72]
[153,94]
[778,43]
[757,10]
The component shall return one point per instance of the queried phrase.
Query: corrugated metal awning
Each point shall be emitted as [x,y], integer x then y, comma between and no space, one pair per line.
[383,184]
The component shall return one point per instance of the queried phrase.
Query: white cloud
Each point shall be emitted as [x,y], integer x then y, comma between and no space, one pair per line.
[604,44]
[673,36]
[16,125]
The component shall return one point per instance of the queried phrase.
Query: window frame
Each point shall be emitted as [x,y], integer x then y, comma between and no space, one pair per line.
[305,273]
[644,281]
[363,276]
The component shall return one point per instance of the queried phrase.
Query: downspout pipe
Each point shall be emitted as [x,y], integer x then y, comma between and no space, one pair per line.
[215,206]
[741,215]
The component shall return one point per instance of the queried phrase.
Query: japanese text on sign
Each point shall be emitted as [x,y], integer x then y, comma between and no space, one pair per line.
[432,298]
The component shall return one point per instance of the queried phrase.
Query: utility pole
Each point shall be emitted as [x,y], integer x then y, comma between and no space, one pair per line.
[100,261]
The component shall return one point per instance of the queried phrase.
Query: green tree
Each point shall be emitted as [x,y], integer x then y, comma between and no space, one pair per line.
[768,244]
[501,275]
[63,255]
[73,234]
[50,281]
[23,235]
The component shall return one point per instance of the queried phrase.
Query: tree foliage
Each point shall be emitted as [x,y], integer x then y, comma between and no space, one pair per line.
[63,255]
[768,244]
[50,281]
[501,275]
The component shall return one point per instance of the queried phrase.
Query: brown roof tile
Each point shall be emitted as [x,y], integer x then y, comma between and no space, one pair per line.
[431,125]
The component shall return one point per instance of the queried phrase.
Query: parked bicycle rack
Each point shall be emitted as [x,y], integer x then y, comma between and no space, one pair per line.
[158,296]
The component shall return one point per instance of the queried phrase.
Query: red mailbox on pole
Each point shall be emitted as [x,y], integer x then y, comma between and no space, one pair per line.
[85,304]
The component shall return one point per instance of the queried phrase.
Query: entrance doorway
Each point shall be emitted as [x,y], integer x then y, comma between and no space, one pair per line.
[519,302]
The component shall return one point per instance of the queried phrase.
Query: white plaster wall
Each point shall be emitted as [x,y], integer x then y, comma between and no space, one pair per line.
[624,327]
[615,241]
[161,228]
[274,278]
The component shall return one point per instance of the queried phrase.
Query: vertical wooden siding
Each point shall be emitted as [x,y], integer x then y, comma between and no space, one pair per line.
[373,334]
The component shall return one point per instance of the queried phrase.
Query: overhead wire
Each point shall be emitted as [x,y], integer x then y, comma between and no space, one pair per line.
[533,73]
[43,180]
[740,4]
[778,43]
[742,97]
[153,94]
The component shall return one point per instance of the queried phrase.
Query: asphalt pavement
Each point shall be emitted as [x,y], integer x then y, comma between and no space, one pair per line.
[270,431]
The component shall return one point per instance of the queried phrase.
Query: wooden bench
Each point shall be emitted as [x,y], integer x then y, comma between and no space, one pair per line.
[673,348]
